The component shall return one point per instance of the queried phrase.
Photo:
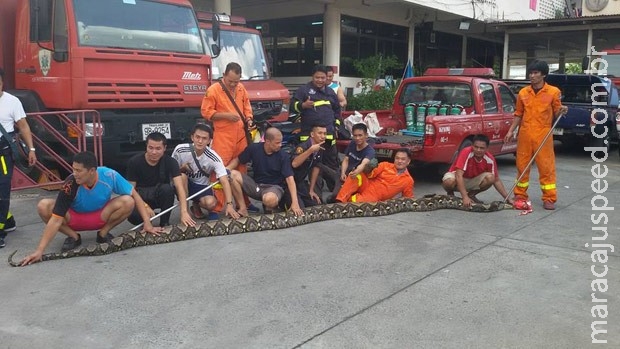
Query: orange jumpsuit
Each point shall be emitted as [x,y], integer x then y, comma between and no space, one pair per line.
[229,138]
[537,111]
[383,183]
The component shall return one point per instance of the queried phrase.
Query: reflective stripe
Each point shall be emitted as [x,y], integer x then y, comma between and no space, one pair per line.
[296,106]
[5,171]
[523,184]
[320,103]
[547,186]
[337,121]
[329,136]
[359,180]
[304,138]
[354,198]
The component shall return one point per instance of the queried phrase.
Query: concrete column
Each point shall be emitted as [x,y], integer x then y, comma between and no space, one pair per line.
[222,6]
[464,51]
[561,63]
[331,37]
[588,48]
[505,68]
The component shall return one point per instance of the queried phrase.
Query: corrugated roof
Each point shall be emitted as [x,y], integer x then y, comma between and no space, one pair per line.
[559,21]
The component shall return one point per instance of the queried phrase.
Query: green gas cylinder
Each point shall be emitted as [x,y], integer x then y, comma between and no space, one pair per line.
[443,110]
[456,109]
[420,119]
[409,116]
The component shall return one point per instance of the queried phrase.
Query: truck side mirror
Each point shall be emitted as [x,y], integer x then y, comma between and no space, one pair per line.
[215,29]
[215,50]
[585,62]
[60,56]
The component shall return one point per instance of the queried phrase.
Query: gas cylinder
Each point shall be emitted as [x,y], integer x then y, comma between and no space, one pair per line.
[432,110]
[456,109]
[409,116]
[420,118]
[443,110]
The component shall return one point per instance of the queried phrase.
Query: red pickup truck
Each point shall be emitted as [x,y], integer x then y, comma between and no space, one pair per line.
[451,106]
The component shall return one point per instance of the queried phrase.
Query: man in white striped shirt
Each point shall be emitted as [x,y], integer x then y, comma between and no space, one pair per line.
[197,162]
[474,171]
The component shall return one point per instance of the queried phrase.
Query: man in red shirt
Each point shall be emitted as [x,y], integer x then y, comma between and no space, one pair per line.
[474,171]
[385,182]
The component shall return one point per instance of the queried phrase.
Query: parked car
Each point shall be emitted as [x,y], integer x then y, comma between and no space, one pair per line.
[593,103]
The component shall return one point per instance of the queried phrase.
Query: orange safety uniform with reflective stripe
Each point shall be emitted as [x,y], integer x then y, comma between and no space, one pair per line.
[537,111]
[229,138]
[383,183]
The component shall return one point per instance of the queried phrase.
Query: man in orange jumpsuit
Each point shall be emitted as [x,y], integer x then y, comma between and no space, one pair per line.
[537,106]
[383,183]
[229,135]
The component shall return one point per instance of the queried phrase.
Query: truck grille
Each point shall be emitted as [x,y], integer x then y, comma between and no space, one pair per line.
[103,92]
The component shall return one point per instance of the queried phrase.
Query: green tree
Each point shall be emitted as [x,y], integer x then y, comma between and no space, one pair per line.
[573,68]
[370,69]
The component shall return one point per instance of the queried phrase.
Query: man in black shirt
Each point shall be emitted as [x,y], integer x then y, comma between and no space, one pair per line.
[306,157]
[151,174]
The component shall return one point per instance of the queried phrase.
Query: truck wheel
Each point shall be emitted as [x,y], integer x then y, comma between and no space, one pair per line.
[443,168]
[604,142]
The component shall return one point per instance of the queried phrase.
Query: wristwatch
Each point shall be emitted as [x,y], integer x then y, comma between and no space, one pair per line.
[32,149]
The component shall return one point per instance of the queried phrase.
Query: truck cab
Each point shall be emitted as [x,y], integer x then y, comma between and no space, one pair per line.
[238,43]
[141,64]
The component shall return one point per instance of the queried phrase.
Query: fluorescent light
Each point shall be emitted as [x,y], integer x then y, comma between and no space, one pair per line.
[464,25]
[317,23]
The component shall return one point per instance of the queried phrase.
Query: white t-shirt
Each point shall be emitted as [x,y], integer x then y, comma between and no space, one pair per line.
[11,111]
[208,160]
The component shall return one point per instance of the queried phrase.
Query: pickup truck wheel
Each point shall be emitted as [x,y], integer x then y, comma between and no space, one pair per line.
[604,142]
[443,168]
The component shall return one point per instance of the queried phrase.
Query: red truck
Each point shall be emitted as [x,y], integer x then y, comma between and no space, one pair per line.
[238,43]
[141,64]
[452,105]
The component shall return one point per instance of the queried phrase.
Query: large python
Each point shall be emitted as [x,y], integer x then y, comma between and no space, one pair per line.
[263,222]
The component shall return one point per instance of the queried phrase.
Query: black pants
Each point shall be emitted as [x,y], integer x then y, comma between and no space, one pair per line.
[160,196]
[6,172]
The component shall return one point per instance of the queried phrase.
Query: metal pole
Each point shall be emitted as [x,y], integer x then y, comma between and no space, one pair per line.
[175,205]
[533,157]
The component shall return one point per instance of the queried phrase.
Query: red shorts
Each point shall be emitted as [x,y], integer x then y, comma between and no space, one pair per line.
[85,221]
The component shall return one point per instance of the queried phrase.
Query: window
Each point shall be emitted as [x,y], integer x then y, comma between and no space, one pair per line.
[508,99]
[432,93]
[44,19]
[489,99]
[61,37]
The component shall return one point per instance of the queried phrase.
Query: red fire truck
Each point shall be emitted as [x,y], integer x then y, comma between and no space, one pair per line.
[238,43]
[141,64]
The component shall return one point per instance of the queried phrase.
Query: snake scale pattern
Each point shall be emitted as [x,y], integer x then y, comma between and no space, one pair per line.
[282,220]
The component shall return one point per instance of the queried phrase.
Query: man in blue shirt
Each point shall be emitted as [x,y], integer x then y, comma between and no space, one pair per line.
[85,203]
[272,171]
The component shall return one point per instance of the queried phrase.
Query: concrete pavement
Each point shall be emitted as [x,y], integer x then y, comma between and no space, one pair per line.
[440,279]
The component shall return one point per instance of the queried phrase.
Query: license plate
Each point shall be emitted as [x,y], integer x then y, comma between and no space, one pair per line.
[163,128]
[383,153]
[558,131]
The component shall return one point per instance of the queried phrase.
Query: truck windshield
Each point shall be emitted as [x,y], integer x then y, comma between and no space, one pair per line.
[437,93]
[138,25]
[243,48]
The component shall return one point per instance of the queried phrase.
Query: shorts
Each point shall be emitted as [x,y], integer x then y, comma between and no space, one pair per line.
[194,188]
[81,221]
[470,183]
[256,191]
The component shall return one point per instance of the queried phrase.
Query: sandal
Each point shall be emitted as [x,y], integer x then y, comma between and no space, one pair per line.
[197,211]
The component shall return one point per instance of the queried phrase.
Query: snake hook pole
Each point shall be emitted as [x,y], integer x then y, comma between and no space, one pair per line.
[175,205]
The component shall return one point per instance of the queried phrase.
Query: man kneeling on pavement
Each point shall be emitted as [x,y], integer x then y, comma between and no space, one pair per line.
[197,162]
[273,183]
[85,203]
[474,171]
[156,176]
